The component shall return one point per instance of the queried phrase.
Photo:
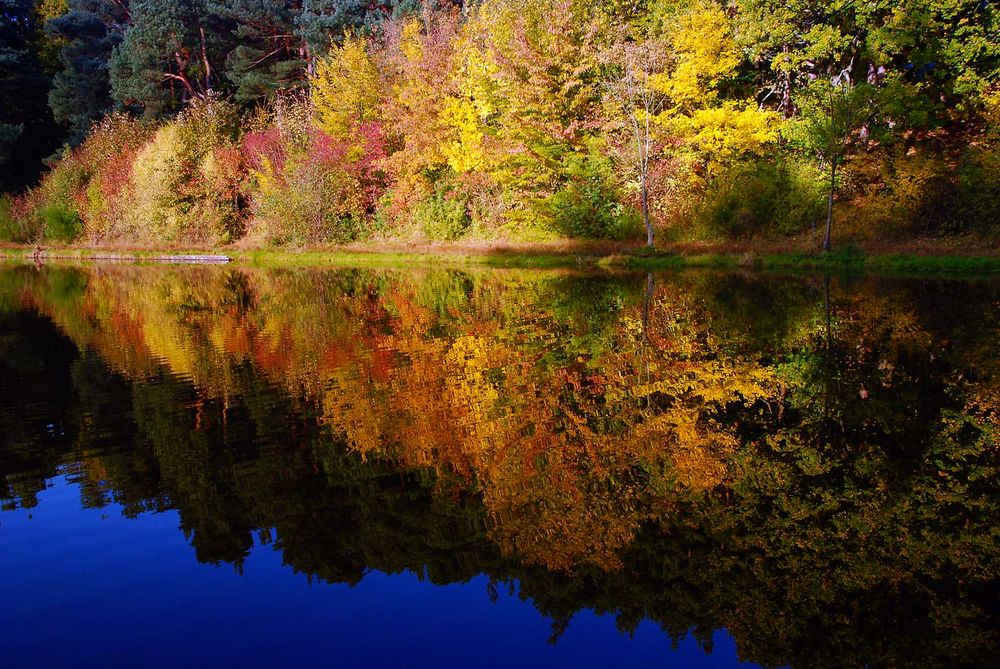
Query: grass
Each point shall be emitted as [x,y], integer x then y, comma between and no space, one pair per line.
[551,255]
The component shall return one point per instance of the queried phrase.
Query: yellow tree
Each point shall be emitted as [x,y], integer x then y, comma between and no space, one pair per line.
[346,88]
[418,61]
[705,56]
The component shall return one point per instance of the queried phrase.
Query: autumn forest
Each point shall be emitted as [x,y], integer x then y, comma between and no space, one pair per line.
[206,122]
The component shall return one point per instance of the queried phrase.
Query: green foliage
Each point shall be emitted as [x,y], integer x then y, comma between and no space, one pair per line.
[27,132]
[61,223]
[764,198]
[304,203]
[441,218]
[589,204]
[306,207]
[265,57]
[81,88]
[14,228]
[494,117]
[830,113]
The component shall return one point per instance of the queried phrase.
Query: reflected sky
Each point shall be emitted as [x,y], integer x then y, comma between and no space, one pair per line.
[116,592]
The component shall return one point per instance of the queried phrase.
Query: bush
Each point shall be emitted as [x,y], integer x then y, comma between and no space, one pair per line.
[918,194]
[589,204]
[61,224]
[185,183]
[109,155]
[64,184]
[157,207]
[442,218]
[19,219]
[313,197]
[762,198]
[12,229]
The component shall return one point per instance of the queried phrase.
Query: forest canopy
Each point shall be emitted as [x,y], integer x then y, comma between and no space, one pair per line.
[318,121]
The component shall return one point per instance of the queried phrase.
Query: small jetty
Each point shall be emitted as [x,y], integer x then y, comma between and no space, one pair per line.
[193,259]
[40,254]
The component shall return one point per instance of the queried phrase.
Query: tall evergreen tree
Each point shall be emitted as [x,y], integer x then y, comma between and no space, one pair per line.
[267,54]
[26,129]
[172,53]
[324,20]
[81,89]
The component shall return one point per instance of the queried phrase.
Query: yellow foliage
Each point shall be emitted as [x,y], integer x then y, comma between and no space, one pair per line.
[154,213]
[418,58]
[465,152]
[705,54]
[345,88]
[729,132]
[991,103]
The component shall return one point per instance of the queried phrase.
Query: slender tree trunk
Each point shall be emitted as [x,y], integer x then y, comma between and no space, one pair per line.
[829,204]
[645,211]
[647,303]
[205,63]
[786,94]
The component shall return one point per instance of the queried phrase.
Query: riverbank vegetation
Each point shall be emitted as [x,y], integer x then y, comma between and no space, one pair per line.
[216,122]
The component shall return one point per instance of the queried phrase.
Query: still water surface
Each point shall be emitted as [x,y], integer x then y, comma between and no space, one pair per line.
[210,467]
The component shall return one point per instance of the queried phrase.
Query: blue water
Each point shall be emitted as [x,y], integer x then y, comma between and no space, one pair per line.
[92,588]
[215,467]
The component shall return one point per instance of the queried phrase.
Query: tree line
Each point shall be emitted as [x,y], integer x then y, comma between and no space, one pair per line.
[330,120]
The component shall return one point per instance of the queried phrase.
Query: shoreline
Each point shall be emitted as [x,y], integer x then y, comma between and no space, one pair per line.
[561,255]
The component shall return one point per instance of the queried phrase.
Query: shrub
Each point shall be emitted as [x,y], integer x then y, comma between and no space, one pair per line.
[919,194]
[589,204]
[762,198]
[14,225]
[313,197]
[442,218]
[185,182]
[222,204]
[109,155]
[157,208]
[61,223]
[65,184]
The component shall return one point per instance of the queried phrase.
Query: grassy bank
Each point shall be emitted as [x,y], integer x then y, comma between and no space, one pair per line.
[552,255]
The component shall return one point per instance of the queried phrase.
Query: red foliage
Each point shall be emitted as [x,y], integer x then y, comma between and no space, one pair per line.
[21,207]
[262,146]
[324,150]
[115,175]
[231,170]
[370,174]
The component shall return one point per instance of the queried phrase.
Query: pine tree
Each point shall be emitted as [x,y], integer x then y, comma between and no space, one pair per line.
[267,54]
[26,130]
[81,88]
[170,55]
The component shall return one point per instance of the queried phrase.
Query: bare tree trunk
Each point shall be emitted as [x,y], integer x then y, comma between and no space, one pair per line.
[645,212]
[829,204]
[205,63]
[786,94]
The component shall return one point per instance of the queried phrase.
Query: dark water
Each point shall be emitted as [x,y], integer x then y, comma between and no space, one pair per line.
[208,467]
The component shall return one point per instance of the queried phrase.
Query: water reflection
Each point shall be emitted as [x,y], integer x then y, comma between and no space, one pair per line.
[808,463]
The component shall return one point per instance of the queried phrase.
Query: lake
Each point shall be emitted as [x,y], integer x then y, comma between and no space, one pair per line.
[226,466]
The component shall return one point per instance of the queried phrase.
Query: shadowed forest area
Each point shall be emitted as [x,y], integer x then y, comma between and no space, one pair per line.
[306,122]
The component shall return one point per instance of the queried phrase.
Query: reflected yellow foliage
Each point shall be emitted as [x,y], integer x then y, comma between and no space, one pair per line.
[573,434]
